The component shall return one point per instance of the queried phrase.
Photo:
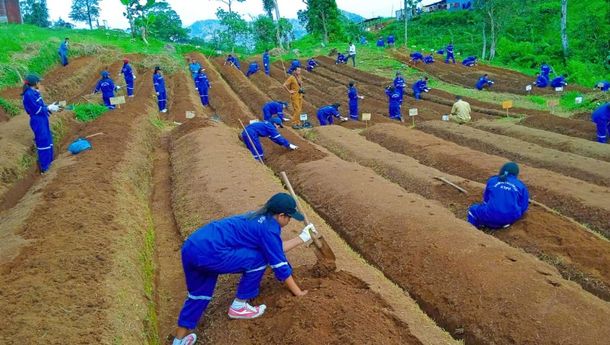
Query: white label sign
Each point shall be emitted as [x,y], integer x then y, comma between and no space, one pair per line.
[117,100]
[63,103]
[413,112]
[578,100]
[559,89]
[190,114]
[366,116]
[303,117]
[528,88]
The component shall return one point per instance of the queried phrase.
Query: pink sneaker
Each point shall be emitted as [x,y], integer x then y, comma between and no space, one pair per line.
[247,312]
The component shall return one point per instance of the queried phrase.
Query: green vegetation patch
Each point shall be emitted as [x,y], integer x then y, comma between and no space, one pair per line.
[88,112]
[10,107]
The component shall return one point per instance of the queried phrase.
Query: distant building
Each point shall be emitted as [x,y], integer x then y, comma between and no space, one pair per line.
[440,5]
[400,14]
[456,5]
[10,12]
[376,23]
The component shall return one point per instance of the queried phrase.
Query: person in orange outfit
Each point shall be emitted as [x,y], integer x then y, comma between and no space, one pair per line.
[294,85]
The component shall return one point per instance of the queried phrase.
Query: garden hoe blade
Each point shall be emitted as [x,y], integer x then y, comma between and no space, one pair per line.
[324,254]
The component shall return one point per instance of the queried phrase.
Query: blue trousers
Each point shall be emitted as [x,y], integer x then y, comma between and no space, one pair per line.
[43,138]
[353,109]
[267,69]
[325,120]
[479,216]
[202,271]
[106,99]
[250,72]
[395,112]
[63,58]
[401,92]
[417,94]
[162,100]
[450,57]
[203,94]
[129,83]
[257,145]
[603,129]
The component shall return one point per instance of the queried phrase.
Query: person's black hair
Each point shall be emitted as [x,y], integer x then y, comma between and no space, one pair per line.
[351,83]
[26,86]
[335,105]
[458,97]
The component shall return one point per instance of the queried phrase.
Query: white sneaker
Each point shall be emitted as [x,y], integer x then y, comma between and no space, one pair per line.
[164,110]
[188,340]
[247,312]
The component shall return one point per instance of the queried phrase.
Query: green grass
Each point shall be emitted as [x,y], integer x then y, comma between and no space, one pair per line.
[10,107]
[148,268]
[88,112]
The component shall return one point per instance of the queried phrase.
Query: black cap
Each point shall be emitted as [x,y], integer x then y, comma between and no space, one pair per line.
[32,79]
[284,203]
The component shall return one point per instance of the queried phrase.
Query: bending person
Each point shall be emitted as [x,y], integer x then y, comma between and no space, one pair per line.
[274,108]
[265,129]
[601,117]
[328,112]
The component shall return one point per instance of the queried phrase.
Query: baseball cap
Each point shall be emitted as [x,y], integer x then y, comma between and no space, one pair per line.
[284,203]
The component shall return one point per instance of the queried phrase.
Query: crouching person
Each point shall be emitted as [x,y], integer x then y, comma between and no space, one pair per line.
[253,132]
[505,200]
[245,244]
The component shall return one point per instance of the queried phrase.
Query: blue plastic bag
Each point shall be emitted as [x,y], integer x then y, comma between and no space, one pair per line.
[79,145]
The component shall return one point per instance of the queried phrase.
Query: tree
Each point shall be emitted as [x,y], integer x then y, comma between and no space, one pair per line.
[409,10]
[497,13]
[35,12]
[60,23]
[162,22]
[564,28]
[263,27]
[229,3]
[271,6]
[134,11]
[321,18]
[237,28]
[85,11]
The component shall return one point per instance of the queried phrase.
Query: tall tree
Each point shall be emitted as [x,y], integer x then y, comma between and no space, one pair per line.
[321,18]
[564,28]
[35,12]
[270,7]
[134,11]
[409,7]
[162,22]
[237,28]
[497,14]
[85,11]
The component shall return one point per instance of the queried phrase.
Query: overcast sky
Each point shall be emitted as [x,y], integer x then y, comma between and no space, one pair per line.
[193,10]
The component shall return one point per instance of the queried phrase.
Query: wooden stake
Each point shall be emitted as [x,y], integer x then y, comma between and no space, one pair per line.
[451,184]
[260,159]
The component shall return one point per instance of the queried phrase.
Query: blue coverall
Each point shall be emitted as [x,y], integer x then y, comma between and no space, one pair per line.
[450,56]
[341,58]
[63,53]
[233,60]
[202,84]
[399,85]
[266,62]
[293,66]
[128,75]
[419,87]
[39,122]
[541,81]
[159,84]
[394,100]
[603,86]
[106,85]
[470,61]
[504,202]
[311,64]
[601,117]
[545,70]
[194,67]
[428,59]
[273,108]
[391,40]
[483,81]
[326,114]
[352,95]
[245,244]
[253,68]
[417,56]
[381,42]
[559,82]
[259,130]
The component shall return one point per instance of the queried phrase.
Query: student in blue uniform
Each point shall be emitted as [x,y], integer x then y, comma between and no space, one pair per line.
[159,84]
[428,59]
[264,129]
[603,86]
[381,42]
[63,52]
[391,41]
[311,64]
[417,56]
[194,67]
[541,81]
[505,200]
[601,117]
[274,108]
[293,66]
[266,61]
[39,121]
[470,61]
[107,87]
[341,59]
[353,97]
[484,82]
[202,85]
[545,70]
[252,68]
[449,51]
[399,85]
[419,87]
[246,244]
[559,81]
[394,103]
[328,112]
[233,61]
[129,76]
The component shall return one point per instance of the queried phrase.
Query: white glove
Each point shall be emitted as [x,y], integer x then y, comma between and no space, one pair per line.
[118,87]
[305,234]
[293,147]
[361,97]
[197,89]
[53,108]
[134,77]
[157,94]
[343,119]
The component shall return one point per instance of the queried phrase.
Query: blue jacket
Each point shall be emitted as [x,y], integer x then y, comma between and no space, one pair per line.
[253,68]
[601,114]
[545,70]
[295,64]
[326,113]
[234,61]
[420,86]
[273,108]
[449,49]
[603,85]
[417,56]
[482,82]
[542,81]
[352,94]
[194,67]
[63,48]
[381,42]
[266,129]
[399,83]
[505,201]
[220,240]
[201,82]
[558,82]
[341,58]
[127,72]
[159,83]
[33,103]
[106,85]
[394,100]
[391,39]
[312,63]
[469,61]
[428,59]
[266,58]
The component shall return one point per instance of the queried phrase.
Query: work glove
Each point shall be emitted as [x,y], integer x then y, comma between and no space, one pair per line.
[134,77]
[305,234]
[361,97]
[157,94]
[53,108]
[343,119]
[293,147]
[118,87]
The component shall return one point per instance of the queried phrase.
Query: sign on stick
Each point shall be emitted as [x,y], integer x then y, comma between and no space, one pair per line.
[366,116]
[303,117]
[117,100]
[190,114]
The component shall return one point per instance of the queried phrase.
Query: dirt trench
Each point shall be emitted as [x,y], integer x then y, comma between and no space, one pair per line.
[583,168]
[585,202]
[574,128]
[578,254]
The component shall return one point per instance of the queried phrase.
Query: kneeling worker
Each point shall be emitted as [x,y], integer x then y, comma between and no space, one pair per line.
[264,129]
[274,108]
[245,244]
[505,200]
[460,112]
[326,114]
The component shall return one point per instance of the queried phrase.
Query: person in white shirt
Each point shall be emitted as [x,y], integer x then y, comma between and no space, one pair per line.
[352,53]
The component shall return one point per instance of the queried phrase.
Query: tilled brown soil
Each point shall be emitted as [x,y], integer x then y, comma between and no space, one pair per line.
[584,168]
[560,142]
[577,253]
[575,128]
[583,201]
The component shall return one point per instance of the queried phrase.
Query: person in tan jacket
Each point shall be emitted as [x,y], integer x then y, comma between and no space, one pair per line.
[294,85]
[460,112]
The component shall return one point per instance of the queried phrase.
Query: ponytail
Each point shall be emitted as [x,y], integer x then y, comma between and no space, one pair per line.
[503,176]
[26,86]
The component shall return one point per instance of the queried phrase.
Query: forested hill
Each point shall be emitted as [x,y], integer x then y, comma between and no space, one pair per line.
[527,34]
